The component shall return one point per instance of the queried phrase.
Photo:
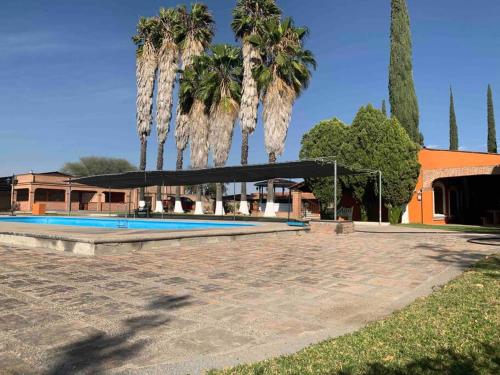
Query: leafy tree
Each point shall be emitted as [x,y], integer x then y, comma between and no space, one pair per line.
[373,142]
[384,109]
[402,96]
[324,140]
[453,124]
[492,133]
[95,165]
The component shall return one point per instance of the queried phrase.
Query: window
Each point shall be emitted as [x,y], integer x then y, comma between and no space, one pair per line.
[439,200]
[22,195]
[115,197]
[50,195]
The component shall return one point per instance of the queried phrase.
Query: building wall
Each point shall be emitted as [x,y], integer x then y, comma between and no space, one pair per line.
[436,164]
[94,201]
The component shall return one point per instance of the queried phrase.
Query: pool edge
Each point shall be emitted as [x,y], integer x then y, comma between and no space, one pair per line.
[73,243]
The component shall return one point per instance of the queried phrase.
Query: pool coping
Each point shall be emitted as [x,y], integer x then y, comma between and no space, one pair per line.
[102,241]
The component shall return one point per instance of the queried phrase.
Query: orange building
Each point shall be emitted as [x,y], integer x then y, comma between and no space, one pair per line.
[456,187]
[53,190]
[453,187]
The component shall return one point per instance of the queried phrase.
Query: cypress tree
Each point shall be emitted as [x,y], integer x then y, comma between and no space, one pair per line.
[492,133]
[383,109]
[453,124]
[402,96]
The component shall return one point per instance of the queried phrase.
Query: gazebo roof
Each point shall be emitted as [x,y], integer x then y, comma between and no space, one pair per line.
[278,182]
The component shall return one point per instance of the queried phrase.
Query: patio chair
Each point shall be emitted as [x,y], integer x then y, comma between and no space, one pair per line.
[143,210]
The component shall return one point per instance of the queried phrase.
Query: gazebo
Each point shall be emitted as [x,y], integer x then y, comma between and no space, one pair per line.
[277,183]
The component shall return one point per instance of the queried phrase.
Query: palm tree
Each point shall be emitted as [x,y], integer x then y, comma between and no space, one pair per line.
[221,86]
[249,17]
[196,35]
[168,60]
[284,73]
[193,102]
[146,40]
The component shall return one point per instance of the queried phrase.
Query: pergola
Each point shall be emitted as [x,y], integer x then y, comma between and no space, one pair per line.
[323,167]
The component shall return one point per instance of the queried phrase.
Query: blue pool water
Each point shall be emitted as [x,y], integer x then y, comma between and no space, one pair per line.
[117,223]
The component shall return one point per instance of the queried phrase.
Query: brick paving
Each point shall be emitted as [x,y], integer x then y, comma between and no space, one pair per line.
[61,313]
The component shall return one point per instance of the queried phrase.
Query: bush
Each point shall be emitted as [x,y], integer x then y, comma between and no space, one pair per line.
[395,214]
[372,142]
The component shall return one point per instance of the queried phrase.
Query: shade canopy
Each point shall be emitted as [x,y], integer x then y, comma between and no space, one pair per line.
[5,183]
[248,173]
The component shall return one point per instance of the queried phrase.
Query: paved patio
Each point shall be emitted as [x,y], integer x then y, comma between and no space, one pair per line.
[188,308]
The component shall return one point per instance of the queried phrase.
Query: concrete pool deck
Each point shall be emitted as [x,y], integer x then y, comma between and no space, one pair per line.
[186,309]
[105,241]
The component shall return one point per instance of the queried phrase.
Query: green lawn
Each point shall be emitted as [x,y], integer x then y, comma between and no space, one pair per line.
[457,228]
[453,331]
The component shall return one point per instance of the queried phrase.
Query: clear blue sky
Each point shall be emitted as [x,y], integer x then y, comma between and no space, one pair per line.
[67,73]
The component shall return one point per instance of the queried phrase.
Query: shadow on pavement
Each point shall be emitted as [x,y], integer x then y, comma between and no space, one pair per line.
[100,352]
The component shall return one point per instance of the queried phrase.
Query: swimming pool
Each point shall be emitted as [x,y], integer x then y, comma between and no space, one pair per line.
[117,223]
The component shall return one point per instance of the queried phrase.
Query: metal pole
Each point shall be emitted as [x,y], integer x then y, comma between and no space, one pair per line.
[12,208]
[289,201]
[69,205]
[234,200]
[335,191]
[109,201]
[129,199]
[380,197]
[161,198]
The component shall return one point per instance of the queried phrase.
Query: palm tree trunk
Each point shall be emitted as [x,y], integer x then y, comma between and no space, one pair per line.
[198,134]
[167,66]
[199,205]
[244,161]
[178,166]
[159,167]
[219,206]
[142,164]
[270,191]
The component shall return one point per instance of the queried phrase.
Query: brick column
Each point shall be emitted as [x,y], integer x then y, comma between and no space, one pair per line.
[68,199]
[297,204]
[31,198]
[100,198]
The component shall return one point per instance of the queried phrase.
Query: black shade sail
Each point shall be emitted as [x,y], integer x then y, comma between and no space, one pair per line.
[248,173]
[5,183]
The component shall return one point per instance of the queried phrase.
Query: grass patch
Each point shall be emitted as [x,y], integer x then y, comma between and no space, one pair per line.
[456,228]
[455,330]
